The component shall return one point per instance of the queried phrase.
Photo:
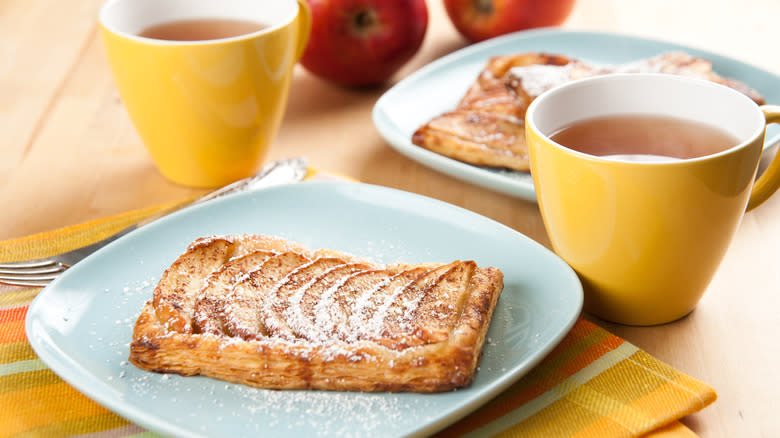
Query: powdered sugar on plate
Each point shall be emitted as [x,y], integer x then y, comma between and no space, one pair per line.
[320,413]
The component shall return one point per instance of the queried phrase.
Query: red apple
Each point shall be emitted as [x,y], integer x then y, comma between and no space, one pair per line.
[363,42]
[479,20]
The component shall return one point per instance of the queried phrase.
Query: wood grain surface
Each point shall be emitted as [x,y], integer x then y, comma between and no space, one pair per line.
[68,154]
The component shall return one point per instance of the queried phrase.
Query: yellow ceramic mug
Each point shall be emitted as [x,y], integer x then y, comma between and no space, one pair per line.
[646,237]
[207,110]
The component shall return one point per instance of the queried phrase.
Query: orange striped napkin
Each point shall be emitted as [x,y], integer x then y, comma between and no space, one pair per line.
[593,384]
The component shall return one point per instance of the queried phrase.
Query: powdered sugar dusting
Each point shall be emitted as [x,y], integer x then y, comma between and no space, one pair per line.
[365,305]
[535,79]
[373,328]
[303,301]
[538,78]
[293,314]
[273,413]
[322,310]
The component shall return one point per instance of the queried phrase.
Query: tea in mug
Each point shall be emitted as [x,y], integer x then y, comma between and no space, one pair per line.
[644,137]
[201,29]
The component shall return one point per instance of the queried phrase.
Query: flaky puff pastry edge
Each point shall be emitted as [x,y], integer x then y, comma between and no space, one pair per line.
[336,365]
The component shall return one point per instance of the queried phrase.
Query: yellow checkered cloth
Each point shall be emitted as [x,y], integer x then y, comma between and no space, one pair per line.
[593,384]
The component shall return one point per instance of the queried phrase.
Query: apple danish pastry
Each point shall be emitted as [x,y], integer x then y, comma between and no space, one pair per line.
[270,313]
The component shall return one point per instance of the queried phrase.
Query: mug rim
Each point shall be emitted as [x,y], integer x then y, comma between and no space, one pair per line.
[583,82]
[112,28]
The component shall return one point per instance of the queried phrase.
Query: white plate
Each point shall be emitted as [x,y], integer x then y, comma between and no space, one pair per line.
[81,324]
[437,88]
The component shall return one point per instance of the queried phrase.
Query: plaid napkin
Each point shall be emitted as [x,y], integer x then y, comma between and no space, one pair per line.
[593,384]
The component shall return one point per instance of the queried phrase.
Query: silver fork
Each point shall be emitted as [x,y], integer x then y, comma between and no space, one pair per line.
[40,272]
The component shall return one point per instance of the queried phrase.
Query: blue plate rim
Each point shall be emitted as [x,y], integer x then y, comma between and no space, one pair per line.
[72,372]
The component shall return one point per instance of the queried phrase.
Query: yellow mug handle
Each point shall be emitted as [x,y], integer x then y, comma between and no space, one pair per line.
[769,181]
[304,27]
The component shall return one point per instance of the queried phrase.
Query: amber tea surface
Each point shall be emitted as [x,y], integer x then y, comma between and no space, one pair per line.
[201,29]
[637,137]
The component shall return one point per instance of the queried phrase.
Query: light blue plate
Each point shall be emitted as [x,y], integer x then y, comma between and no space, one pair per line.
[437,88]
[81,324]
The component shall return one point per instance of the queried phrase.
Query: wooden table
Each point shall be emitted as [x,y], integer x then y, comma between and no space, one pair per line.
[68,153]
